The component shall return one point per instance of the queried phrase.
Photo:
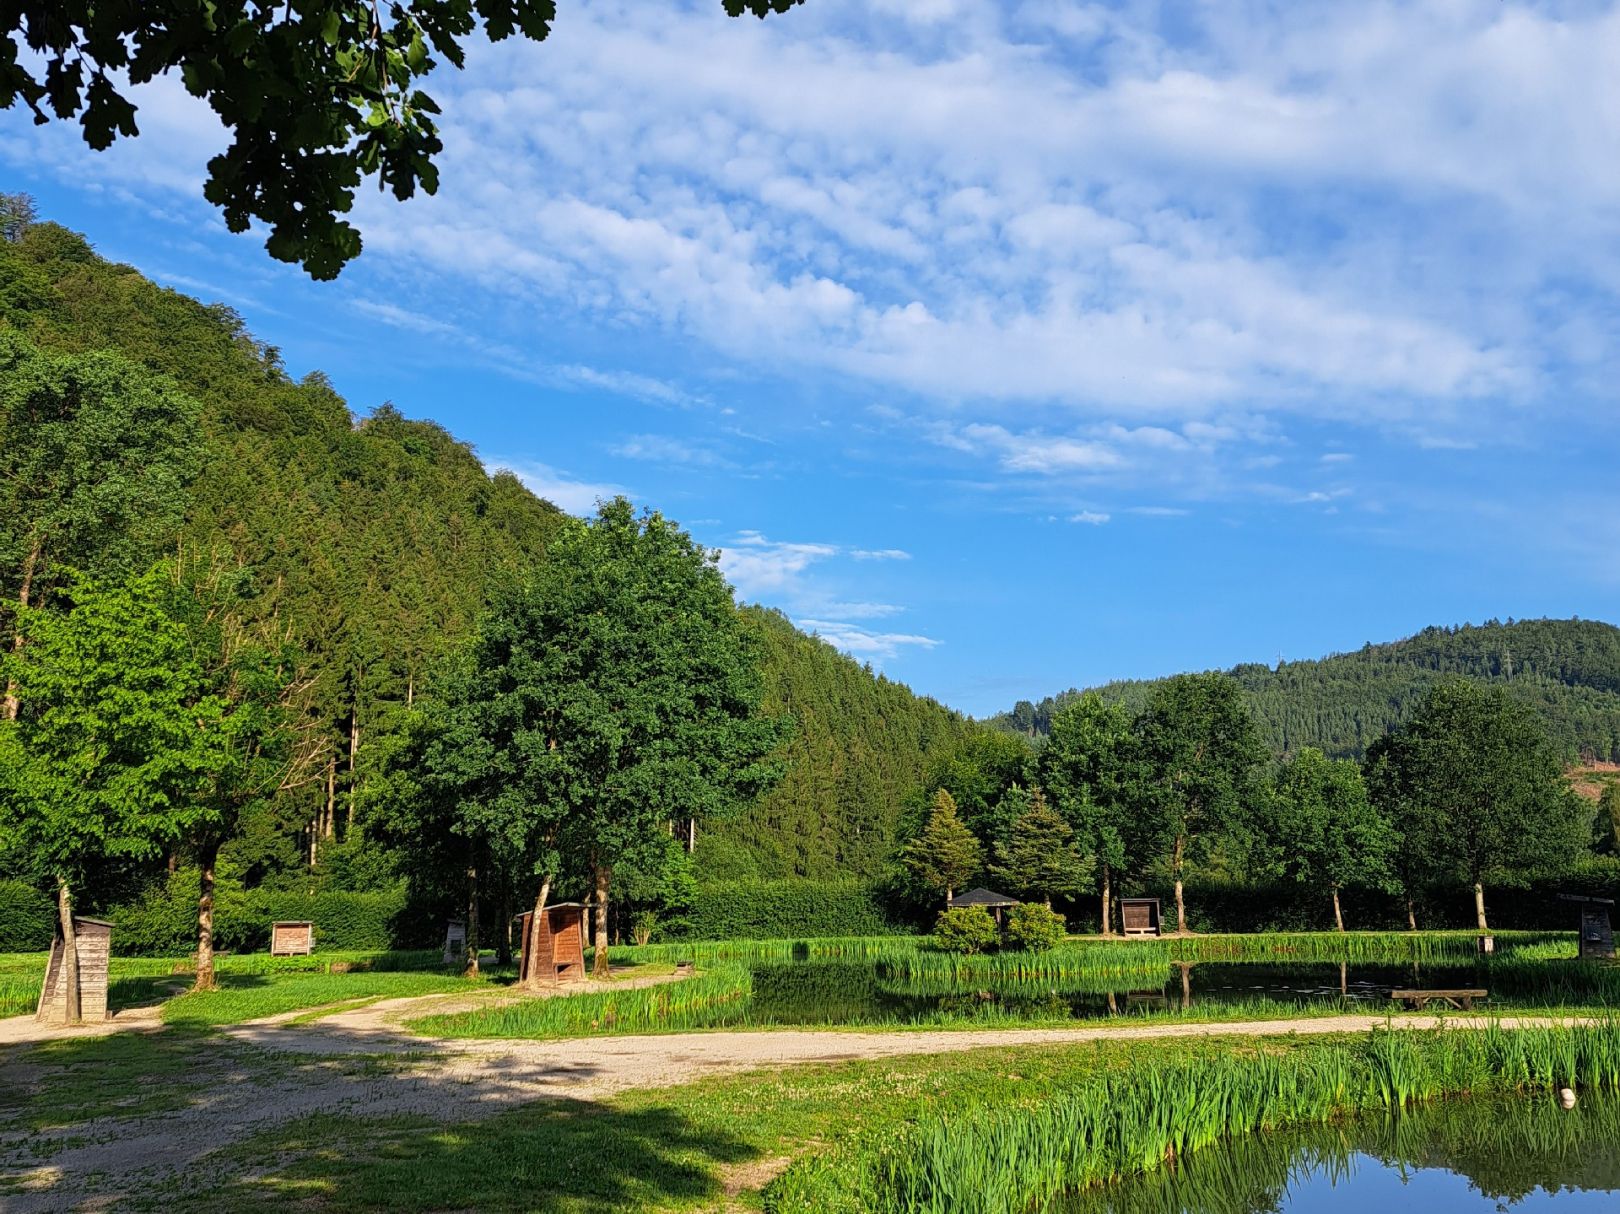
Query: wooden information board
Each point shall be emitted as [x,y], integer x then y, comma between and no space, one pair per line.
[94,949]
[292,939]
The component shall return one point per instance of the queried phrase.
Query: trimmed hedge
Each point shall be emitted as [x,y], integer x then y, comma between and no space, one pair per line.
[27,918]
[165,924]
[776,910]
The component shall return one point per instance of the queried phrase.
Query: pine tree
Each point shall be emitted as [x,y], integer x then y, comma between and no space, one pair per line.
[1040,858]
[946,854]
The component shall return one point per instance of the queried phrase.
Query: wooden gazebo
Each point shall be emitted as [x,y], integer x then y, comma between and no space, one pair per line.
[987,898]
[561,951]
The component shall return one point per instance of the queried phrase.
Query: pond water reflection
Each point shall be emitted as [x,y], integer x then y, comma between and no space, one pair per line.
[874,991]
[1455,1157]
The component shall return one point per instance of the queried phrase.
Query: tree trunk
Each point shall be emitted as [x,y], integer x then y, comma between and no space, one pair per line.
[354,759]
[1107,903]
[531,946]
[1479,906]
[70,953]
[599,963]
[327,826]
[30,563]
[503,938]
[1344,980]
[1181,902]
[1411,915]
[469,967]
[205,918]
[691,835]
[1338,915]
[1186,985]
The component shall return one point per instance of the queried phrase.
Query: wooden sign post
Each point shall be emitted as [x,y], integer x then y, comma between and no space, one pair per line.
[292,939]
[94,950]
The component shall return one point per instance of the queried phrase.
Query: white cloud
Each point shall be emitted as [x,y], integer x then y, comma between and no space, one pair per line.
[758,567]
[556,486]
[880,554]
[863,643]
[1094,517]
[663,449]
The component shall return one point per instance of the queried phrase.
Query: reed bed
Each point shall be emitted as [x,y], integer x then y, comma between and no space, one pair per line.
[1009,1160]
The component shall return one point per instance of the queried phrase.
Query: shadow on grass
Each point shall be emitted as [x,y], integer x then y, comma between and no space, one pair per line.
[566,1157]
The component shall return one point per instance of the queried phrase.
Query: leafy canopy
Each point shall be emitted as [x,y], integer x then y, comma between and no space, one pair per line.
[1039,858]
[317,94]
[944,857]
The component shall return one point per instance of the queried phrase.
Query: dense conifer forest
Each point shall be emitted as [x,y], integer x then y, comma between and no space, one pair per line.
[1569,670]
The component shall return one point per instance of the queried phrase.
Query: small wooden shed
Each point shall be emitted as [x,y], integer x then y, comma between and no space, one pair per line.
[987,898]
[1140,916]
[94,949]
[292,939]
[455,941]
[561,951]
[1597,932]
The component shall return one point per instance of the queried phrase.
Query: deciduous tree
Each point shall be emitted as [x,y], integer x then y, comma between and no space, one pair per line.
[1323,830]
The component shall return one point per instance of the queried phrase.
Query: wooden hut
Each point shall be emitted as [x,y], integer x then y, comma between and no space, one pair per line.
[1140,916]
[987,898]
[94,948]
[292,938]
[1597,932]
[561,947]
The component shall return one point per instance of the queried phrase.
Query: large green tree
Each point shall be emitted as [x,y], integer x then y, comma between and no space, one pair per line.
[608,696]
[317,94]
[1201,753]
[1323,830]
[1090,767]
[1476,790]
[112,740]
[96,454]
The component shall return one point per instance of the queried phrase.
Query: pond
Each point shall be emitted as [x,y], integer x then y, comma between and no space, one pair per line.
[1454,1157]
[887,991]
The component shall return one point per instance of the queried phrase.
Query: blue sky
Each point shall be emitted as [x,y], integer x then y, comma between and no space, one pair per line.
[1009,346]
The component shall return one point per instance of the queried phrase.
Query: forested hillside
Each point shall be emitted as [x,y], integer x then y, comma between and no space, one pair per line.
[862,745]
[1569,670]
[137,425]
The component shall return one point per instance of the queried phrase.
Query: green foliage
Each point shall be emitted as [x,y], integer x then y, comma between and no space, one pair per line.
[784,909]
[27,918]
[965,929]
[945,856]
[164,922]
[1567,670]
[1476,790]
[1322,829]
[1091,768]
[1040,859]
[1033,928]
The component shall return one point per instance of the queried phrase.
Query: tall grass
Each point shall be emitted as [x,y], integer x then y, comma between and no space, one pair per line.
[1000,1160]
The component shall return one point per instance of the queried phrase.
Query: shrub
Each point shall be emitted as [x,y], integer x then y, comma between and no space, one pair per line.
[642,926]
[784,909]
[27,918]
[965,929]
[1033,928]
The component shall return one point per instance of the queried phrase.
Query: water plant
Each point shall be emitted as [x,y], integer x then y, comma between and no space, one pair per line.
[996,1160]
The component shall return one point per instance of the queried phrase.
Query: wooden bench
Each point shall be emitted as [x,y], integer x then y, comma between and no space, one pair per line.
[1417,1000]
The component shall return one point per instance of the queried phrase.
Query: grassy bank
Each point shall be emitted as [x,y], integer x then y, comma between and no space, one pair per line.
[992,1158]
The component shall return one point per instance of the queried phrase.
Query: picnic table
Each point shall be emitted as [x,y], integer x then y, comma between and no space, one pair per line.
[1461,999]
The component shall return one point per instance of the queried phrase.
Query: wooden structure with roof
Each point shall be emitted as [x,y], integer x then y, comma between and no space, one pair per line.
[94,947]
[455,941]
[988,899]
[1140,916]
[561,948]
[1597,932]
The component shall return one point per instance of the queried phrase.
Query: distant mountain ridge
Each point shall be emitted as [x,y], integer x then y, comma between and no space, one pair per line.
[1568,669]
